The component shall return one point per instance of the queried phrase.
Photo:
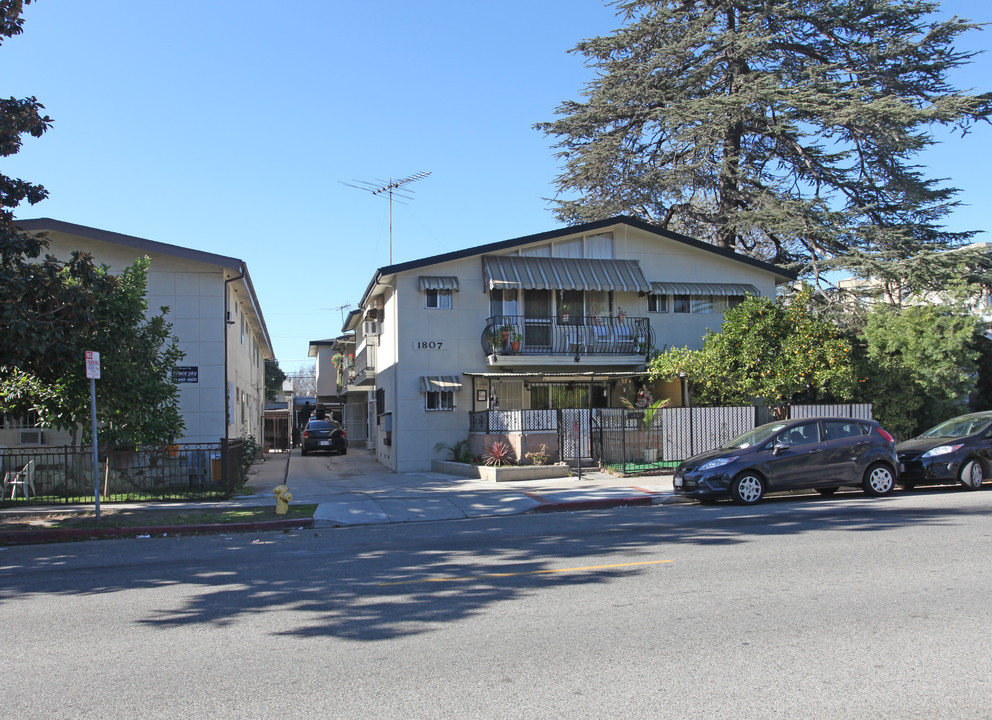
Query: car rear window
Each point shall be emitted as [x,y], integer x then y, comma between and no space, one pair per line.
[321,425]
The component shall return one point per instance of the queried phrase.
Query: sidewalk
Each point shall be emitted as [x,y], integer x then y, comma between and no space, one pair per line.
[355,489]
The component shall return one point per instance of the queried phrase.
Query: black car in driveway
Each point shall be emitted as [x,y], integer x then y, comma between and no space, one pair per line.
[820,453]
[324,435]
[958,450]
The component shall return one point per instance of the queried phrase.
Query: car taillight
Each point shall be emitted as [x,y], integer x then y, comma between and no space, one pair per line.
[306,433]
[886,435]
[342,433]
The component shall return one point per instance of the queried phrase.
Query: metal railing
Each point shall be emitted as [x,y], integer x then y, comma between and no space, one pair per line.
[60,475]
[578,335]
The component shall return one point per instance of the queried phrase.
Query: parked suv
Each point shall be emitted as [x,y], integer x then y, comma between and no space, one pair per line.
[324,435]
[820,453]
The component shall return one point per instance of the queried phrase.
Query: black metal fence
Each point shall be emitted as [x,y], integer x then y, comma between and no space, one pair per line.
[62,475]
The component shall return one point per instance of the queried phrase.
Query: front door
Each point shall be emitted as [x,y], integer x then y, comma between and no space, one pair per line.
[537,320]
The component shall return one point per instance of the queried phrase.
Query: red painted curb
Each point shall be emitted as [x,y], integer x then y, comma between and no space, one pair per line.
[29,537]
[594,504]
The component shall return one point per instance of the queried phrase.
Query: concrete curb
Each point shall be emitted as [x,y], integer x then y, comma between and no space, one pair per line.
[31,537]
[594,503]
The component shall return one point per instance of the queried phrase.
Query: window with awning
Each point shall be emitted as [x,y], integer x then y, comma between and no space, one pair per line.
[685,288]
[439,391]
[557,273]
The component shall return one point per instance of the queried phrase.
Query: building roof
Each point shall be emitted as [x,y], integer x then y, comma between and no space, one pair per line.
[783,275]
[40,225]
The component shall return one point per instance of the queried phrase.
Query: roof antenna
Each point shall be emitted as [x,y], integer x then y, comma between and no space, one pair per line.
[390,186]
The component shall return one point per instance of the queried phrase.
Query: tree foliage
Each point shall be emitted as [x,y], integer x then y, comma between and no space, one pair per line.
[775,352]
[274,378]
[52,311]
[786,129]
[920,363]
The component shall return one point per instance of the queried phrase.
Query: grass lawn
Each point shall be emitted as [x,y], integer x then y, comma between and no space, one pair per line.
[111,517]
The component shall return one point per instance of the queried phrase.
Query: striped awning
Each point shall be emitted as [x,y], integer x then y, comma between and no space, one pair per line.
[438,282]
[439,383]
[681,288]
[548,273]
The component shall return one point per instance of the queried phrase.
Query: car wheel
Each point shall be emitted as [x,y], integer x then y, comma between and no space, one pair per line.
[345,451]
[827,490]
[972,475]
[879,480]
[747,489]
[303,452]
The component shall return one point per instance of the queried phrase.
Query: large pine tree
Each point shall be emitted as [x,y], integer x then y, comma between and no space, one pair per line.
[785,129]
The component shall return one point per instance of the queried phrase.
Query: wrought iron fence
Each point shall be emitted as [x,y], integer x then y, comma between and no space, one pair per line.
[61,475]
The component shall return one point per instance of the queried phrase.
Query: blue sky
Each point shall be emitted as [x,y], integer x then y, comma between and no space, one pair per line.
[230,125]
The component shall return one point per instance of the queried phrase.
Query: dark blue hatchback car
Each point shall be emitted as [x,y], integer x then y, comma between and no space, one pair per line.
[815,453]
[958,450]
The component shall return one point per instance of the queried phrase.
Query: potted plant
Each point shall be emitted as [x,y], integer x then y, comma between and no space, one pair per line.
[505,333]
[515,339]
[621,314]
[563,313]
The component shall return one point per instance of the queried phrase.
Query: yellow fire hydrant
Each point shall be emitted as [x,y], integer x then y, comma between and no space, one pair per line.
[283,496]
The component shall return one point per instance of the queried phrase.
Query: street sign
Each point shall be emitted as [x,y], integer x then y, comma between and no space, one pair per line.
[92,365]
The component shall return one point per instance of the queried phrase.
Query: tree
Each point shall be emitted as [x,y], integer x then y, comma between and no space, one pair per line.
[785,130]
[920,363]
[305,381]
[778,352]
[274,378]
[52,310]
[138,400]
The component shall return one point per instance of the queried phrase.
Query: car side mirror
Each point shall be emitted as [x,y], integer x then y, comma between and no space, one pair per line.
[779,447]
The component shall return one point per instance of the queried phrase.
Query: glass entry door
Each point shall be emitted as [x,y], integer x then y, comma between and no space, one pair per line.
[537,320]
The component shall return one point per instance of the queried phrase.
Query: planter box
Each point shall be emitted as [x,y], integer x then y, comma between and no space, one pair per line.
[506,473]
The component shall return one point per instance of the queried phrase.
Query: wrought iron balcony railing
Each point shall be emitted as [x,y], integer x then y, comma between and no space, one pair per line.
[578,335]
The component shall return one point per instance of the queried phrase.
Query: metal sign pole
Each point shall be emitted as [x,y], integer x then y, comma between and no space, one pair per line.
[93,373]
[96,459]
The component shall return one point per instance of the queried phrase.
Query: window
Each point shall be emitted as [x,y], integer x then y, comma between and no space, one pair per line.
[15,422]
[568,248]
[439,400]
[538,251]
[702,304]
[600,247]
[681,303]
[438,299]
[734,300]
[658,303]
[503,302]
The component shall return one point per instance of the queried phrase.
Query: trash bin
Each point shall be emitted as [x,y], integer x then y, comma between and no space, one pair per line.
[215,468]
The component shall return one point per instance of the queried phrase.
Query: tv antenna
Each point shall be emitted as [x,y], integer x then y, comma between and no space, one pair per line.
[389,188]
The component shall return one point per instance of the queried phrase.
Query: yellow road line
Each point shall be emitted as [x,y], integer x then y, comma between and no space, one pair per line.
[529,572]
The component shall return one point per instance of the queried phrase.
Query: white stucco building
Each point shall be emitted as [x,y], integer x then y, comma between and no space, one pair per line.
[561,320]
[215,315]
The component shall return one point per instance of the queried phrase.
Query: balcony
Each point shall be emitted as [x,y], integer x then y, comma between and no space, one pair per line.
[528,340]
[365,365]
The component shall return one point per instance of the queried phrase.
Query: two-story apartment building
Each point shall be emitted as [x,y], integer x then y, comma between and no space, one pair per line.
[215,315]
[559,321]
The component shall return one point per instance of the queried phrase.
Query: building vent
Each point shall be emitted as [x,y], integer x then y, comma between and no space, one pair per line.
[371,327]
[31,437]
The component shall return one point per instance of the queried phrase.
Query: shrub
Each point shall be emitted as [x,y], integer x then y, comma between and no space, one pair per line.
[499,453]
[541,456]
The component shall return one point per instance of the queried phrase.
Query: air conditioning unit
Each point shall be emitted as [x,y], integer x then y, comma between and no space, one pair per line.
[31,437]
[371,327]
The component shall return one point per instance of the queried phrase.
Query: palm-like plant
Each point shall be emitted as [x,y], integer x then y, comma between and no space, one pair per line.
[499,453]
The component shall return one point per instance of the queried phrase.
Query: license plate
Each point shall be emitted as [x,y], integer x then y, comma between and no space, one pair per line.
[325,442]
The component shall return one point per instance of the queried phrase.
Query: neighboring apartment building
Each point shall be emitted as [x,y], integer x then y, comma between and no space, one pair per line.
[562,320]
[215,316]
[871,291]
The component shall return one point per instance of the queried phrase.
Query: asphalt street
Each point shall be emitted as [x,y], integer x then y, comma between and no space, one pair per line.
[846,607]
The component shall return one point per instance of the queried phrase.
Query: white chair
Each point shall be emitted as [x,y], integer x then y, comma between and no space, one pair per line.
[23,477]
